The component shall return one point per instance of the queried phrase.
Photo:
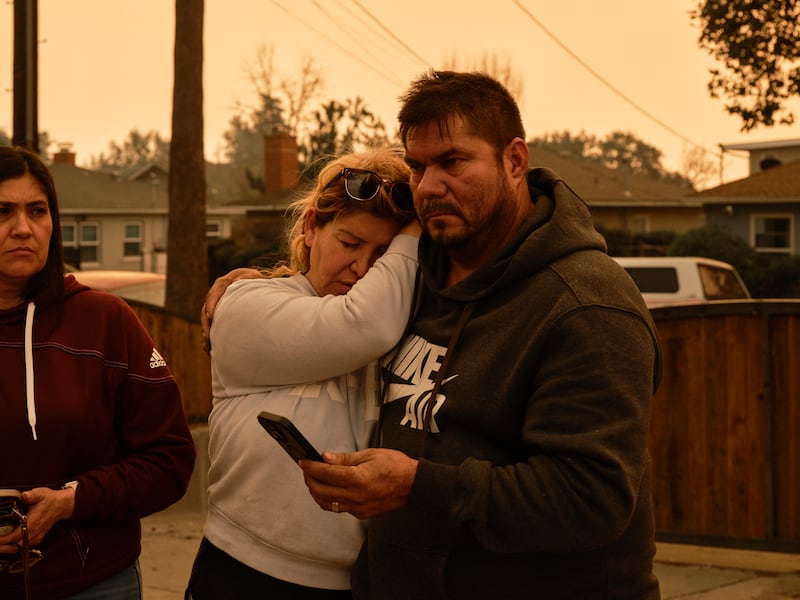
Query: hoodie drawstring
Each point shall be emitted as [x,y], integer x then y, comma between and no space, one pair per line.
[29,393]
[466,313]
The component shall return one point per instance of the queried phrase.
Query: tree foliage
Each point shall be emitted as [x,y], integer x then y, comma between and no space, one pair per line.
[619,150]
[136,149]
[286,105]
[499,67]
[697,166]
[758,44]
[339,127]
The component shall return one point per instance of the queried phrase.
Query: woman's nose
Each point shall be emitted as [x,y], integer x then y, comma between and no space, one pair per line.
[361,265]
[21,224]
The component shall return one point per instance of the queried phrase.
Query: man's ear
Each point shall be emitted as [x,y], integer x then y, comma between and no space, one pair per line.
[310,227]
[517,156]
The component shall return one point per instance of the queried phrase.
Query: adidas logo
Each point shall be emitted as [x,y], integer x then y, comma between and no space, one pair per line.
[156,360]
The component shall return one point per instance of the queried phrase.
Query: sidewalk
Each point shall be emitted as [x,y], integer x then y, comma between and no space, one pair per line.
[170,540]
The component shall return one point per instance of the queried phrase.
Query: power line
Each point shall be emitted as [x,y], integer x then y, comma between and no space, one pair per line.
[391,34]
[354,39]
[379,38]
[339,46]
[608,84]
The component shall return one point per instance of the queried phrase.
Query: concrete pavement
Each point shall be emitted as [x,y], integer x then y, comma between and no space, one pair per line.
[170,540]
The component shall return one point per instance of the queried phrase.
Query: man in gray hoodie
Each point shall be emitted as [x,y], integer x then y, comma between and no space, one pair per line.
[512,456]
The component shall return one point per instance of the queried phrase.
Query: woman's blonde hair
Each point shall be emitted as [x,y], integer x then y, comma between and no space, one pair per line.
[329,201]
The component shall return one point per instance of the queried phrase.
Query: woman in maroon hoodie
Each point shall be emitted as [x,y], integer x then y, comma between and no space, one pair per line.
[92,430]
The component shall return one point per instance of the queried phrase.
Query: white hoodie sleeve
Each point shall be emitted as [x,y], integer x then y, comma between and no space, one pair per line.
[269,332]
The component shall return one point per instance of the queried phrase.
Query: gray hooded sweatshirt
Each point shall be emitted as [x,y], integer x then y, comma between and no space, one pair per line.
[534,472]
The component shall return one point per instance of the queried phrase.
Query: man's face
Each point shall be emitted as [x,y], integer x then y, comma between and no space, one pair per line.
[461,193]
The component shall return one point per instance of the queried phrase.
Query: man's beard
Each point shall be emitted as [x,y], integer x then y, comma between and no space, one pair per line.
[455,238]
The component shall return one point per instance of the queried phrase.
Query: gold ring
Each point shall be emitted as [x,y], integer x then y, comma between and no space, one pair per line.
[335,507]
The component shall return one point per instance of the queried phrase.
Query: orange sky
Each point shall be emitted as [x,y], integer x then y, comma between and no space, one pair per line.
[106,67]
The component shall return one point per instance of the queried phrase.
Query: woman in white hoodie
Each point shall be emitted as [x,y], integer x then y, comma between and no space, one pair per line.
[303,343]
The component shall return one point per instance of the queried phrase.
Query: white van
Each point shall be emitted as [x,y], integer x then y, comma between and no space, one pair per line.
[671,279]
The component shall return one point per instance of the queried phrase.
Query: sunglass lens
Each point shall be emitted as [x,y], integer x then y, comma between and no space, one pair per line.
[402,197]
[18,565]
[362,186]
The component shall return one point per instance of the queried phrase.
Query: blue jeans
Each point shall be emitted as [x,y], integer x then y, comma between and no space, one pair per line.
[125,585]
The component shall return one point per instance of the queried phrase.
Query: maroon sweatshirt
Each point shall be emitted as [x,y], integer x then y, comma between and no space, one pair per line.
[105,411]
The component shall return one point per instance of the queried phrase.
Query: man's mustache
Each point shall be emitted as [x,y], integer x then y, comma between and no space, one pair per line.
[431,206]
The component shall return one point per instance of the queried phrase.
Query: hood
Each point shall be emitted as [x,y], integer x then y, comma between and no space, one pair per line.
[27,313]
[560,223]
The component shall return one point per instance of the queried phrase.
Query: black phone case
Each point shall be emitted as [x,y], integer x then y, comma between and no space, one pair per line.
[287,435]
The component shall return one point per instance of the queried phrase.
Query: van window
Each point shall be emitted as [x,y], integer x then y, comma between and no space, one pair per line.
[720,284]
[655,280]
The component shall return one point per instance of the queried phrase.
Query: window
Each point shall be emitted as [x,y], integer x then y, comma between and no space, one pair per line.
[89,243]
[640,224]
[81,242]
[720,284]
[772,233]
[655,280]
[213,229]
[132,244]
[68,234]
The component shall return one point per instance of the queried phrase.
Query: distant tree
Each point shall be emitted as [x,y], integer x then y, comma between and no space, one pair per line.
[697,167]
[284,105]
[44,143]
[339,127]
[499,67]
[187,264]
[758,44]
[715,241]
[136,149]
[564,143]
[619,150]
[623,151]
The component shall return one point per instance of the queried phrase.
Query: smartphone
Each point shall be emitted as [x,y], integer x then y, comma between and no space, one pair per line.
[288,436]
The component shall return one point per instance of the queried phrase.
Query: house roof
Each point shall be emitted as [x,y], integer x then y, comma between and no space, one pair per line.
[753,146]
[598,185]
[779,184]
[82,190]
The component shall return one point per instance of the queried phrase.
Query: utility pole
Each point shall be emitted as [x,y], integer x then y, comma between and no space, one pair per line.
[26,75]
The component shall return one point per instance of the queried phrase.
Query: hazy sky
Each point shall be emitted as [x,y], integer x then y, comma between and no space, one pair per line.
[106,66]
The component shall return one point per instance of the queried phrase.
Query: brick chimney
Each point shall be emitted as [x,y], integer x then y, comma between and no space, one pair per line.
[280,162]
[64,156]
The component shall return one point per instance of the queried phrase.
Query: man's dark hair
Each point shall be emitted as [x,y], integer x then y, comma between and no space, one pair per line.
[488,109]
[48,283]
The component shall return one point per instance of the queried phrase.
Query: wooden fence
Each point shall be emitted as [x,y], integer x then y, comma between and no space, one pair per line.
[181,344]
[725,428]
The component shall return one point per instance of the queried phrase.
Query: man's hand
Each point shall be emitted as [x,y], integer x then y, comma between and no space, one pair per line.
[365,484]
[215,293]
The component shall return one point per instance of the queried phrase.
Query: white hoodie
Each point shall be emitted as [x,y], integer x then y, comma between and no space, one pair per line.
[277,346]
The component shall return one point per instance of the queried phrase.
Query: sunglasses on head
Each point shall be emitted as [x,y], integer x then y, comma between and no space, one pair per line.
[364,185]
[19,562]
